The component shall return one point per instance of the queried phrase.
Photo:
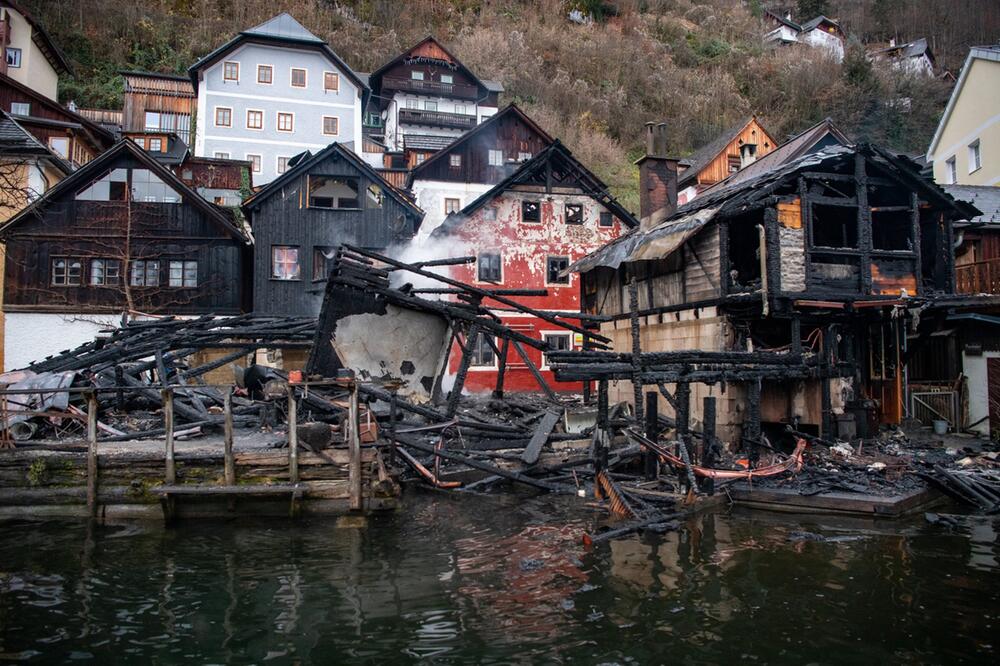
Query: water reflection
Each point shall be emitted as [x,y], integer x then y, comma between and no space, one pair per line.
[504,580]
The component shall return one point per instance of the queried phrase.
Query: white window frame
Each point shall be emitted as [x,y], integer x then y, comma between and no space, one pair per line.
[220,155]
[305,79]
[69,146]
[336,119]
[247,120]
[298,263]
[414,75]
[975,156]
[226,79]
[26,105]
[455,161]
[291,114]
[184,266]
[261,66]
[12,50]
[336,78]
[260,160]
[149,144]
[493,153]
[569,279]
[215,115]
[457,209]
[277,164]
[552,334]
[140,141]
[950,171]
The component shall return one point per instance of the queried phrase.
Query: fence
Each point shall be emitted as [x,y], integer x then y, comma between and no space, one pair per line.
[929,406]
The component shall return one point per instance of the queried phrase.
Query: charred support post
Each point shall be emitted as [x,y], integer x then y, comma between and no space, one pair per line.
[652,432]
[796,334]
[229,462]
[708,452]
[864,224]
[502,369]
[534,371]
[752,430]
[393,414]
[471,340]
[682,396]
[170,471]
[354,450]
[600,453]
[120,391]
[92,454]
[826,406]
[633,298]
[293,437]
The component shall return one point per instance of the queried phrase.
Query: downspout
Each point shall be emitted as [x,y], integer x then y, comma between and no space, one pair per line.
[762,244]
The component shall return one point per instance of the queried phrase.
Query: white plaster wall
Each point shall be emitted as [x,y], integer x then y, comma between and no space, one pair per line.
[831,43]
[32,336]
[430,196]
[974,368]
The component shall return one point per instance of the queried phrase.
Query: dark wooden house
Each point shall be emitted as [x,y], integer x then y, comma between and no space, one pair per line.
[124,234]
[299,219]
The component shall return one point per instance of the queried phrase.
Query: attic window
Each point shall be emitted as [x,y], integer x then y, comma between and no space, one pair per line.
[20,108]
[13,57]
[417,76]
[574,214]
[374,196]
[530,212]
[336,192]
[455,160]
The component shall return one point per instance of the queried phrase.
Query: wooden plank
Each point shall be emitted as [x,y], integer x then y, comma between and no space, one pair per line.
[228,462]
[92,453]
[280,458]
[354,450]
[540,436]
[784,499]
[207,489]
[293,437]
[170,473]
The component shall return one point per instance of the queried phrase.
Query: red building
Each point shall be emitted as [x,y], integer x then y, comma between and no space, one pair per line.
[525,232]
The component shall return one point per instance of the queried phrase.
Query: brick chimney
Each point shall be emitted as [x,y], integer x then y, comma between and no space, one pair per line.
[657,179]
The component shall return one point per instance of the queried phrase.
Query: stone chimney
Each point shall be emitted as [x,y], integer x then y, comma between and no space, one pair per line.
[657,179]
[748,154]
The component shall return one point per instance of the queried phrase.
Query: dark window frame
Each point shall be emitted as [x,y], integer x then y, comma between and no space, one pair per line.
[66,272]
[531,212]
[574,213]
[489,267]
[606,220]
[551,273]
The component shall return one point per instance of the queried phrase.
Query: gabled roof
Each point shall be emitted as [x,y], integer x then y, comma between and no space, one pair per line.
[510,109]
[52,53]
[282,30]
[101,135]
[376,76]
[991,53]
[909,50]
[704,155]
[306,161]
[15,141]
[556,165]
[795,147]
[815,23]
[783,20]
[96,168]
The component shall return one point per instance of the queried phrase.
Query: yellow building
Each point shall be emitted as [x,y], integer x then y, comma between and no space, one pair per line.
[966,146]
[30,57]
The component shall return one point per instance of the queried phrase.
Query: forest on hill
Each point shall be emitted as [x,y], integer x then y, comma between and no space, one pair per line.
[700,65]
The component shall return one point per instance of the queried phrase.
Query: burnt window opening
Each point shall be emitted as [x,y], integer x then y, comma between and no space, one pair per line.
[531,212]
[835,226]
[835,271]
[322,255]
[554,268]
[606,220]
[488,267]
[333,192]
[557,342]
[482,352]
[892,230]
[744,254]
[574,214]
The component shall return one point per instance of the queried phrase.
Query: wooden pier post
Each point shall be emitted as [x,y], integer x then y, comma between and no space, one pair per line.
[354,450]
[170,472]
[652,431]
[229,460]
[92,454]
[293,437]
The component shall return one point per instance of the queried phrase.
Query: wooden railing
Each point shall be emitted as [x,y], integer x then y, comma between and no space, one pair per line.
[439,118]
[431,87]
[980,277]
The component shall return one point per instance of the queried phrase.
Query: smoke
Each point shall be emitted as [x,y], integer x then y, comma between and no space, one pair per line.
[426,249]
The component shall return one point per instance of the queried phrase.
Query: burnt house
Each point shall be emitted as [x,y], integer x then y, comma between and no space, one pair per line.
[298,219]
[823,256]
[121,235]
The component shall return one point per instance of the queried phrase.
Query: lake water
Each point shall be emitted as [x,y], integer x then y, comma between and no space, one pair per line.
[476,579]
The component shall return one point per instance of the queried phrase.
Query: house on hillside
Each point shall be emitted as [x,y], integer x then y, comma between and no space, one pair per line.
[68,134]
[30,57]
[120,236]
[732,150]
[272,92]
[425,98]
[301,217]
[824,254]
[965,149]
[158,103]
[913,57]
[464,170]
[820,32]
[525,231]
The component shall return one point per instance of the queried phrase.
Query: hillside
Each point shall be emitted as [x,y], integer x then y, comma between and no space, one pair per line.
[699,65]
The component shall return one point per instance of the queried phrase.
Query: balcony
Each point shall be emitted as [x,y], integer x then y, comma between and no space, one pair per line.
[980,277]
[437,118]
[462,90]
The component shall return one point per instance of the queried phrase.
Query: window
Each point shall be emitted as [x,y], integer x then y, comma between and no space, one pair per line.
[606,220]
[574,214]
[558,342]
[284,262]
[460,108]
[482,352]
[60,146]
[285,122]
[951,172]
[430,105]
[455,160]
[412,104]
[13,57]
[221,155]
[105,272]
[156,145]
[417,76]
[298,77]
[147,186]
[333,192]
[113,186]
[496,158]
[265,74]
[140,141]
[66,272]
[321,255]
[490,213]
[255,119]
[554,268]
[331,125]
[488,267]
[447,78]
[282,164]
[183,274]
[975,157]
[255,163]
[452,206]
[420,158]
[145,273]
[331,81]
[530,211]
[223,116]
[523,157]
[152,120]
[20,108]
[231,71]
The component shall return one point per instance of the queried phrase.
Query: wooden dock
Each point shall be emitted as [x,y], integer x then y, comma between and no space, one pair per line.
[859,504]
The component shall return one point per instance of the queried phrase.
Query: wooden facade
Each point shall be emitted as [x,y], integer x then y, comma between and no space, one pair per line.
[70,252]
[721,158]
[295,232]
[170,100]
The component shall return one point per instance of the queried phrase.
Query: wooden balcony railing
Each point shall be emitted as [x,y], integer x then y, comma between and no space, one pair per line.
[437,118]
[980,277]
[431,87]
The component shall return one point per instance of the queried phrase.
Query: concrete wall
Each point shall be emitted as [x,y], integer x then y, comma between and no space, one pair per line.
[30,336]
[975,371]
